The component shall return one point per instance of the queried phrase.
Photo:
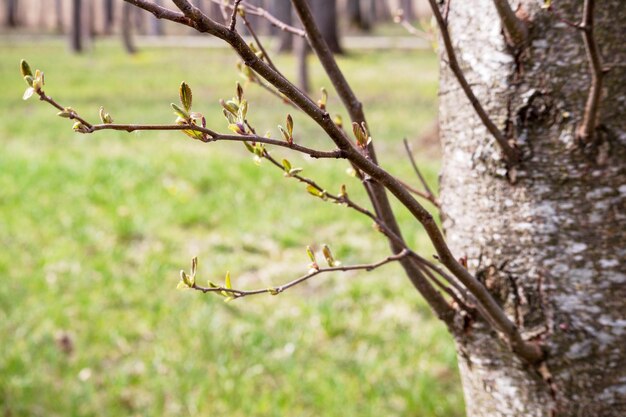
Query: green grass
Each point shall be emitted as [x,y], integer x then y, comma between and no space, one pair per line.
[94,229]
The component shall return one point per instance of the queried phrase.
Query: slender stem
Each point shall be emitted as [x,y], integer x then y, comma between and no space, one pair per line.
[246,22]
[515,31]
[429,193]
[262,13]
[586,130]
[72,114]
[233,16]
[237,293]
[512,154]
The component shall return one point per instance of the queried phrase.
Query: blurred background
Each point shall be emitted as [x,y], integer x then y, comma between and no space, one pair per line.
[95,228]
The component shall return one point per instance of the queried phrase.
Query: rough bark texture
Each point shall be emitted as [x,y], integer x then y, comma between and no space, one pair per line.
[548,237]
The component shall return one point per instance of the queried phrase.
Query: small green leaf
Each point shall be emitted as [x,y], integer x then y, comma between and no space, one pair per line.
[322,101]
[227,283]
[290,126]
[237,128]
[311,254]
[284,133]
[211,284]
[286,165]
[25,69]
[338,121]
[239,92]
[28,93]
[180,112]
[294,171]
[105,117]
[29,80]
[229,299]
[273,291]
[182,286]
[243,110]
[328,255]
[185,96]
[249,147]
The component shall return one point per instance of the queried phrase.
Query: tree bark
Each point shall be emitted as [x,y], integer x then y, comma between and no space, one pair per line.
[76,32]
[325,13]
[547,237]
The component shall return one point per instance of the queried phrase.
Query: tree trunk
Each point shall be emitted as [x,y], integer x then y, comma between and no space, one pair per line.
[325,13]
[356,16]
[11,11]
[156,25]
[58,16]
[283,12]
[407,8]
[548,238]
[127,30]
[76,32]
[302,52]
[109,17]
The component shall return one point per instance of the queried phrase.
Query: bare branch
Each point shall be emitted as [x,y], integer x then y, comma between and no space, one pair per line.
[429,194]
[233,15]
[524,349]
[515,31]
[212,135]
[262,13]
[586,130]
[237,293]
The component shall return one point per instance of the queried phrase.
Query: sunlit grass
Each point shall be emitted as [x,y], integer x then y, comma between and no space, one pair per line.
[93,231]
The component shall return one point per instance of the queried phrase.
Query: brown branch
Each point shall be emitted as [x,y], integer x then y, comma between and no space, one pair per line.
[511,154]
[586,129]
[526,350]
[236,293]
[515,31]
[233,16]
[212,135]
[264,14]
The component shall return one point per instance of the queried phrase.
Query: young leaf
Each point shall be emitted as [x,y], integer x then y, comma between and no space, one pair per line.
[314,191]
[185,96]
[29,80]
[328,255]
[105,117]
[227,283]
[273,291]
[180,112]
[239,92]
[322,101]
[290,126]
[286,165]
[28,93]
[311,254]
[25,69]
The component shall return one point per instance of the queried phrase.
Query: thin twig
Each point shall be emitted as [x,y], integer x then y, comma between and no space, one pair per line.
[237,293]
[586,130]
[515,31]
[212,135]
[233,16]
[262,13]
[246,22]
[429,193]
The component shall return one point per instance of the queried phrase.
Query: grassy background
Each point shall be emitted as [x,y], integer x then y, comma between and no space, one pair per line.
[94,228]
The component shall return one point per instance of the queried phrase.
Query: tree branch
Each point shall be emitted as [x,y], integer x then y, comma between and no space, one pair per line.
[524,349]
[237,293]
[429,195]
[511,154]
[586,129]
[515,31]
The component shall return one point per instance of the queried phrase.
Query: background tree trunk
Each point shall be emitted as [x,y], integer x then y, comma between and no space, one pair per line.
[156,25]
[127,31]
[11,13]
[357,16]
[58,16]
[325,13]
[76,32]
[283,11]
[109,17]
[551,246]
